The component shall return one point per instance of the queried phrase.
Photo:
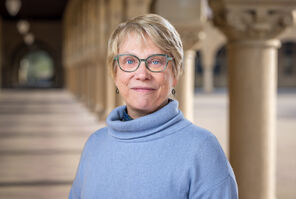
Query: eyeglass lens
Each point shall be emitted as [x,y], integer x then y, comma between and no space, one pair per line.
[155,63]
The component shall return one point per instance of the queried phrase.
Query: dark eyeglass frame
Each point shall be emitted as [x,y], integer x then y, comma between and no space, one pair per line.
[168,58]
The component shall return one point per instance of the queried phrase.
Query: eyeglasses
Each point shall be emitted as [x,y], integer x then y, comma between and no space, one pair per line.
[155,63]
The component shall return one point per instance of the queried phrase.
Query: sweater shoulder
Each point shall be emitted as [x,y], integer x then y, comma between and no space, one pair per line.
[202,141]
[100,132]
[96,137]
[195,134]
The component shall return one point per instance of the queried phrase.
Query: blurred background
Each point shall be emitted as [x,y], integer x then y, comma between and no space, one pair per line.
[55,90]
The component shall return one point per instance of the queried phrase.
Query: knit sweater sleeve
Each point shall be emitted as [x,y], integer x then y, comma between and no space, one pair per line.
[212,176]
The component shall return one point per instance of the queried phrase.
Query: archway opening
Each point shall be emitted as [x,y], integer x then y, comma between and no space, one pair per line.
[220,68]
[36,70]
[286,65]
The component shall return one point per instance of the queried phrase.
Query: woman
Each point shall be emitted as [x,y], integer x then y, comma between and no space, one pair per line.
[148,149]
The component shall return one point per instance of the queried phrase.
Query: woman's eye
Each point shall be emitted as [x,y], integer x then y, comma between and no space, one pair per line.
[155,62]
[130,61]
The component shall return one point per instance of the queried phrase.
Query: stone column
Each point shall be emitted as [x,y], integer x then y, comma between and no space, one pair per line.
[110,96]
[100,89]
[83,78]
[208,73]
[92,53]
[78,81]
[82,82]
[252,95]
[88,50]
[115,11]
[92,74]
[88,83]
[101,43]
[252,63]
[208,79]
[70,79]
[185,86]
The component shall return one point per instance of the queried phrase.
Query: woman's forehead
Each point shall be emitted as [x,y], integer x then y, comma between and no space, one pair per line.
[141,40]
[133,36]
[133,41]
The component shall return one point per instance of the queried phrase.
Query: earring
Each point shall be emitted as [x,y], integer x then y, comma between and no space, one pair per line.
[173,91]
[117,91]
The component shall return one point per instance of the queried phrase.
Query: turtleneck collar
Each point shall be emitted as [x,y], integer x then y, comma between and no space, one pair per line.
[164,121]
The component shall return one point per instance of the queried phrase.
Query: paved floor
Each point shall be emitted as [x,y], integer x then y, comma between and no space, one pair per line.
[42,134]
[41,137]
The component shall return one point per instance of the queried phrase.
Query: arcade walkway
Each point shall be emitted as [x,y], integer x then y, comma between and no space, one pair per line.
[42,134]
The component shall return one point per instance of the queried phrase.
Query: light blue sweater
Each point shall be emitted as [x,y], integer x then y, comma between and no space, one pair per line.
[158,156]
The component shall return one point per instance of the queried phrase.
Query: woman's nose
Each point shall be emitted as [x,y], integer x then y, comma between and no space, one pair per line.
[142,72]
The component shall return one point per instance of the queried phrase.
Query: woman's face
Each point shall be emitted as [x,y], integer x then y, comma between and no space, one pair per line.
[143,91]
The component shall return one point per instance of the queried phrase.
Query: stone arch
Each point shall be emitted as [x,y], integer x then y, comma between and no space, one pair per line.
[21,50]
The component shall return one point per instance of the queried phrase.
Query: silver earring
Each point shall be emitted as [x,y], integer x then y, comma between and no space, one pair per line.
[173,91]
[117,91]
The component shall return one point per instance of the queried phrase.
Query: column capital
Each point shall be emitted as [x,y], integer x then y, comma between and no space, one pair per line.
[253,21]
[190,36]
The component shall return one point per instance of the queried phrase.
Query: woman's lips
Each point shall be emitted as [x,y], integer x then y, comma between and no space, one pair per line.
[143,89]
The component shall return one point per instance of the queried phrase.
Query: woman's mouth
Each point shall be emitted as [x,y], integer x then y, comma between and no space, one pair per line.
[143,89]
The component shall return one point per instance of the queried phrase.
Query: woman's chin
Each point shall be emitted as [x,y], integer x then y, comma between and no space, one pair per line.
[142,108]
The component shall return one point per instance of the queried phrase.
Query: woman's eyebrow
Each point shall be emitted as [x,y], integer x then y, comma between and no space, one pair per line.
[128,52]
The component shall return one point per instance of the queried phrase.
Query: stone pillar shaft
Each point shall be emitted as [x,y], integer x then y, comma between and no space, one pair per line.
[100,80]
[252,96]
[114,6]
[76,81]
[185,86]
[208,54]
[100,89]
[208,79]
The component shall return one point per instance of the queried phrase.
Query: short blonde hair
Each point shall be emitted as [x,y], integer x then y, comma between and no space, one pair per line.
[158,29]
